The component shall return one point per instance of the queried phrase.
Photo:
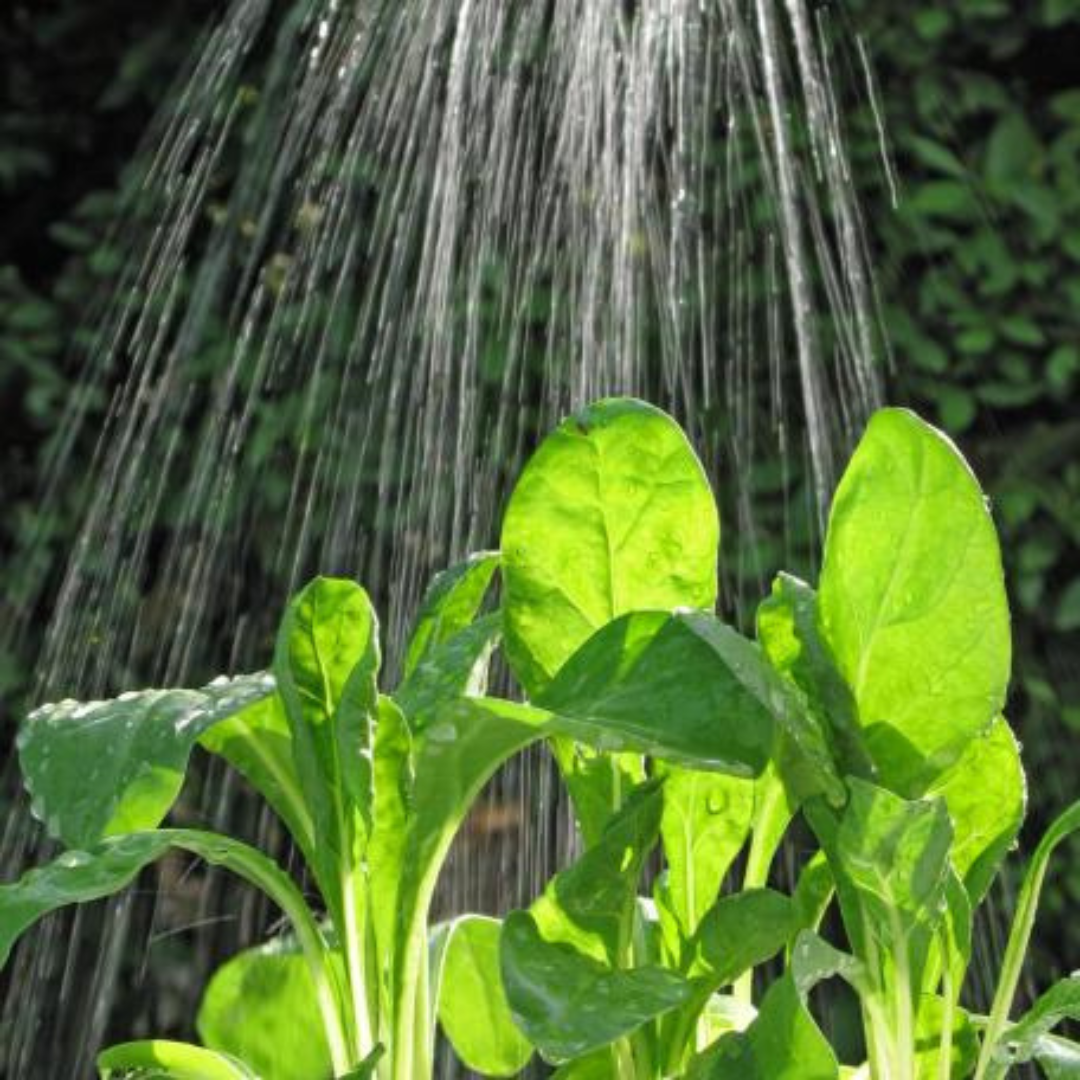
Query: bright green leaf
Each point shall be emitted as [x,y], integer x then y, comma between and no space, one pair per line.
[912,600]
[612,514]
[473,1009]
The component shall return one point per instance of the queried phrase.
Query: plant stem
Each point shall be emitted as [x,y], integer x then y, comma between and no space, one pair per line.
[353,945]
[1011,967]
[1019,938]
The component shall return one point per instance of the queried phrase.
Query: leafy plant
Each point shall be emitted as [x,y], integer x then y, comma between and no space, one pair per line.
[871,708]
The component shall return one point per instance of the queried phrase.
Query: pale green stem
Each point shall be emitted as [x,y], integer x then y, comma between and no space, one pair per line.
[1011,968]
[354,960]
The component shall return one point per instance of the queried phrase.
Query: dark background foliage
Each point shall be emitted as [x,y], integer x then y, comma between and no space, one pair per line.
[978,262]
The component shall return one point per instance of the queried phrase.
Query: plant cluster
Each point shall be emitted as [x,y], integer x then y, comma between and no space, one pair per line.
[869,708]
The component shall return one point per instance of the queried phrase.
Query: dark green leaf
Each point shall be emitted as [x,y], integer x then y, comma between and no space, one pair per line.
[569,1004]
[109,767]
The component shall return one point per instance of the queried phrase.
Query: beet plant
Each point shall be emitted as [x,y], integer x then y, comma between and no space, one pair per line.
[871,708]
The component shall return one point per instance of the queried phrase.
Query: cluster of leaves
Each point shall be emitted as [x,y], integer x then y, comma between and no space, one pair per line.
[980,272]
[869,708]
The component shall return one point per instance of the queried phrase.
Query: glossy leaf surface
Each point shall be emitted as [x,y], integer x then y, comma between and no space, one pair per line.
[705,822]
[568,1003]
[326,663]
[108,767]
[257,743]
[77,876]
[912,600]
[684,688]
[612,514]
[986,794]
[783,1042]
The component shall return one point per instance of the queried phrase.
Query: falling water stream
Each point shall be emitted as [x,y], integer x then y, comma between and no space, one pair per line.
[379,248]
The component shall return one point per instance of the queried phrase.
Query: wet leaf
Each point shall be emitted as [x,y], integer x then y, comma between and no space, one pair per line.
[613,513]
[108,767]
[161,1059]
[912,600]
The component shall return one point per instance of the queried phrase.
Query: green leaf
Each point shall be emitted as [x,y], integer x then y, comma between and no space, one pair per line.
[788,629]
[109,767]
[890,860]
[738,933]
[1058,1058]
[452,758]
[590,905]
[450,605]
[78,876]
[706,821]
[612,514]
[986,793]
[569,1004]
[326,663]
[688,689]
[453,667]
[963,1043]
[1020,1042]
[261,1007]
[473,1009]
[912,600]
[160,1059]
[256,741]
[783,1042]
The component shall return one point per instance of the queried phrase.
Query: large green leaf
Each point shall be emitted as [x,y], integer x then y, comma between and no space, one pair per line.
[256,741]
[612,514]
[473,1009]
[326,663]
[450,605]
[108,767]
[986,794]
[912,600]
[705,823]
[689,689]
[161,1059]
[77,876]
[261,1007]
[568,1003]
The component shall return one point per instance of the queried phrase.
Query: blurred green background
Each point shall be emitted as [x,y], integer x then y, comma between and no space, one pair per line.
[977,244]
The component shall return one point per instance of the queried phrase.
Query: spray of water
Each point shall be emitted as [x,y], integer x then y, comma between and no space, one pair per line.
[380,246]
